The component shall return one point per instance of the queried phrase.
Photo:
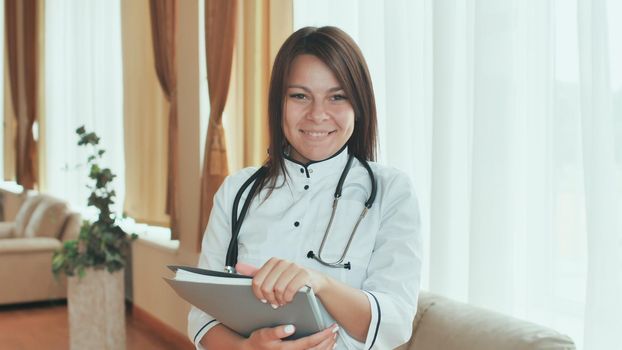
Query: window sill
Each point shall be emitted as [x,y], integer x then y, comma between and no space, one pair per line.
[158,237]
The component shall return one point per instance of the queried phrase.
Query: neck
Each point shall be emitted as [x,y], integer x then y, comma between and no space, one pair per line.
[294,155]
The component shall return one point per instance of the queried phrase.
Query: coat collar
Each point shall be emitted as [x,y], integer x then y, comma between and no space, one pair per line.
[317,169]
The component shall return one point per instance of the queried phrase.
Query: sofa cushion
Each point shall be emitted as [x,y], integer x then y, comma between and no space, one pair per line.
[23,215]
[47,219]
[6,229]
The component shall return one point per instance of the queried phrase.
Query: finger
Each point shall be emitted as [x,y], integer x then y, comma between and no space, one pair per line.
[258,280]
[246,269]
[326,344]
[270,337]
[285,282]
[267,286]
[279,332]
[314,339]
[298,281]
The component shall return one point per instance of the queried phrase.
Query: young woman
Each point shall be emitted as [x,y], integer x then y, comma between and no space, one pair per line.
[320,212]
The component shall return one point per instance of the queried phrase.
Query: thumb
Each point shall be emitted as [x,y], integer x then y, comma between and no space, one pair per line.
[283,331]
[246,269]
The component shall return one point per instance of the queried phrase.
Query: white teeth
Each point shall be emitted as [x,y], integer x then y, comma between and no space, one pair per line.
[316,133]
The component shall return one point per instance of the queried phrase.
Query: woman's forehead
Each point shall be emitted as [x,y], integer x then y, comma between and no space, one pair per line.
[310,72]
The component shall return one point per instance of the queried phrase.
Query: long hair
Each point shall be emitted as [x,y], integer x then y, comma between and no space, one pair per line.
[339,52]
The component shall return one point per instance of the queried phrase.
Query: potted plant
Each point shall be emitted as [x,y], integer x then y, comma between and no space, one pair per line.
[94,263]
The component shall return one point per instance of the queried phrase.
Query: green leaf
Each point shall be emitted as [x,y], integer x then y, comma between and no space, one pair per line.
[95,171]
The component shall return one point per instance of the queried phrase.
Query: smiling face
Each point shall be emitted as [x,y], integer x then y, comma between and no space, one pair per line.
[318,118]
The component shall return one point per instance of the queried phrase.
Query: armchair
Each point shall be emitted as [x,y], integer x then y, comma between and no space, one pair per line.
[35,226]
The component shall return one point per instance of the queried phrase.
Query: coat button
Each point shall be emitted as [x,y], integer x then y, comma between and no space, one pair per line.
[296,224]
[306,187]
[302,170]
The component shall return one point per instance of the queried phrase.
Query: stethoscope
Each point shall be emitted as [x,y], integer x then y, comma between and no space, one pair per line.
[255,179]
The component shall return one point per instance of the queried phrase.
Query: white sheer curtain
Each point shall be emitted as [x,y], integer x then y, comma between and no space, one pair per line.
[83,86]
[508,116]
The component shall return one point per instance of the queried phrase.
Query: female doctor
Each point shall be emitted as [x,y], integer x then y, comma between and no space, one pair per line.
[319,212]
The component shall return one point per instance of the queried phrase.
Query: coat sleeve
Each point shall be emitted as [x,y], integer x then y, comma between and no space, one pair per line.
[213,252]
[394,270]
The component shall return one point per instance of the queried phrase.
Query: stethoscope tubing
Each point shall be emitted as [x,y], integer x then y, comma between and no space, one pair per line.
[256,179]
[236,222]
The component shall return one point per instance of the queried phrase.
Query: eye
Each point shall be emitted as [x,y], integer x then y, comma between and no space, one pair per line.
[338,97]
[298,96]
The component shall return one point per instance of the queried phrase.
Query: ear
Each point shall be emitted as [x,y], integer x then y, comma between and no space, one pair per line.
[246,269]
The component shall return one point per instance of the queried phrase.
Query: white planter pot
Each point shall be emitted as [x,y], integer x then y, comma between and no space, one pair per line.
[96,306]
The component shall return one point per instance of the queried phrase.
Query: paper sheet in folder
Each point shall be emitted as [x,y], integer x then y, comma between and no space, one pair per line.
[230,299]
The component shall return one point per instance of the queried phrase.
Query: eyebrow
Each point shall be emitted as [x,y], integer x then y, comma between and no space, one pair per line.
[333,89]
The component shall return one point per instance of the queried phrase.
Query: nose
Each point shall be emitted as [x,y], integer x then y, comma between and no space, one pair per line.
[317,112]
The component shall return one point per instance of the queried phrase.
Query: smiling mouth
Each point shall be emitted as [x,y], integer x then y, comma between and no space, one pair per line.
[317,133]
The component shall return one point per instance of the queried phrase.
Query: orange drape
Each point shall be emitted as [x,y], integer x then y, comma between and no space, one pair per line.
[220,17]
[22,44]
[164,28]
[145,120]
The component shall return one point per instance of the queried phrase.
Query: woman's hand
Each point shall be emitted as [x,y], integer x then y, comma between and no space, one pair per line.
[277,281]
[272,338]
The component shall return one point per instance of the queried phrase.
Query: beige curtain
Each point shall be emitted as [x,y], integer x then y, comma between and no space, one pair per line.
[23,55]
[41,116]
[264,27]
[220,18]
[145,111]
[10,123]
[163,30]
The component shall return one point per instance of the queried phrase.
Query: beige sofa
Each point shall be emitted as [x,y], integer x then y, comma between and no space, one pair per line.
[33,227]
[444,324]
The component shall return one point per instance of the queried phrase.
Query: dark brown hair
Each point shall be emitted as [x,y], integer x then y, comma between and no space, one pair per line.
[344,58]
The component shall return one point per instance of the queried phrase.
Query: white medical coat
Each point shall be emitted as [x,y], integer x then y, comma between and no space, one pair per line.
[385,253]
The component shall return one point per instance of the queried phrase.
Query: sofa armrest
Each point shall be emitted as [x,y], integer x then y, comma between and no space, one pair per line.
[450,325]
[24,245]
[26,271]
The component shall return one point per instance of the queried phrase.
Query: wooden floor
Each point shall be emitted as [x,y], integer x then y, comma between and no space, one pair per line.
[45,326]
